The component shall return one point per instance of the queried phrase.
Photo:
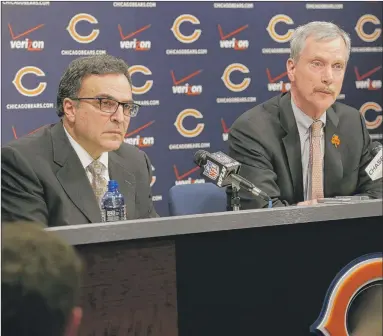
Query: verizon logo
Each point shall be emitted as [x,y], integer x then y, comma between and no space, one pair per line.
[134,44]
[186,88]
[27,44]
[364,82]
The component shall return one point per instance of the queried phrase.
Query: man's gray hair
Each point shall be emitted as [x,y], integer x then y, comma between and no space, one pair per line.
[319,30]
[79,68]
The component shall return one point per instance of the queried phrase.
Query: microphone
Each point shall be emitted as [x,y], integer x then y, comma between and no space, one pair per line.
[222,170]
[374,169]
[375,148]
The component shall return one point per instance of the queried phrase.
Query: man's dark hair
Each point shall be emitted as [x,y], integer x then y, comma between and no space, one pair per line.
[78,69]
[40,281]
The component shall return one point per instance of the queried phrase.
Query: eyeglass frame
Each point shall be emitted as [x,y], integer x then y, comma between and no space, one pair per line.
[110,98]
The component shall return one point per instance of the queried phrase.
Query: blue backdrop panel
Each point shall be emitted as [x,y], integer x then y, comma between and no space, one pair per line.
[195,67]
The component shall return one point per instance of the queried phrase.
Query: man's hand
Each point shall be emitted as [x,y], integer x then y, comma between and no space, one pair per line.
[310,202]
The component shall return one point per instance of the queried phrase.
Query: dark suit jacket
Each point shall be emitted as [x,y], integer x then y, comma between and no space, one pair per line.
[43,180]
[266,141]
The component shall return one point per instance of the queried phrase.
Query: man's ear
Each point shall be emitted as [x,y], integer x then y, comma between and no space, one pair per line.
[69,108]
[290,66]
[74,322]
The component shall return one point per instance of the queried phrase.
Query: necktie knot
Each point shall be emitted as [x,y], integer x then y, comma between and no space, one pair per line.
[96,168]
[316,128]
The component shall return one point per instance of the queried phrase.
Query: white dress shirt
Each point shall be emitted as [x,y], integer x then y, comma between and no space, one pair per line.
[86,159]
[304,123]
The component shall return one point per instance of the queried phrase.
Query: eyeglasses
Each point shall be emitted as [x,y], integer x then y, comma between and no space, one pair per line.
[109,105]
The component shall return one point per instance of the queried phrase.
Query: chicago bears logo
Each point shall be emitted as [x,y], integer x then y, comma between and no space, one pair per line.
[360,30]
[148,84]
[18,81]
[189,133]
[280,38]
[378,117]
[177,32]
[71,28]
[227,80]
[351,280]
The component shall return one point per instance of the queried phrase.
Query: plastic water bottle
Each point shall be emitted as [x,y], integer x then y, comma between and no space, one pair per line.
[113,204]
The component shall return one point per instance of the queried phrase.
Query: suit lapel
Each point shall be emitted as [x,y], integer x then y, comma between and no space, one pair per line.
[72,176]
[333,166]
[119,171]
[292,145]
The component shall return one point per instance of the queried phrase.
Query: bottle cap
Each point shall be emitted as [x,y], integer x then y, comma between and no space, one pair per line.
[112,185]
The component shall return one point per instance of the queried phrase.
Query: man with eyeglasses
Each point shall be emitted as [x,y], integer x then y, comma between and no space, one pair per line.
[55,176]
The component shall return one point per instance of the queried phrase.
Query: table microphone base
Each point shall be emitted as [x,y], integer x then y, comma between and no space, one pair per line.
[235,199]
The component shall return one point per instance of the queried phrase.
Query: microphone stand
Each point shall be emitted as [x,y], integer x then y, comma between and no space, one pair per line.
[235,199]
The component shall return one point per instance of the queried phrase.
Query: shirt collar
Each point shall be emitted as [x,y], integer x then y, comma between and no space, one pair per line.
[303,120]
[83,155]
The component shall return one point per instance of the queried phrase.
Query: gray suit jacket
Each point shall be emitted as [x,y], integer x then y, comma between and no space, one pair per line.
[43,180]
[266,141]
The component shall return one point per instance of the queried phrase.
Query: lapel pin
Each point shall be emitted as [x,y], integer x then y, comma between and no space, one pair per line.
[335,140]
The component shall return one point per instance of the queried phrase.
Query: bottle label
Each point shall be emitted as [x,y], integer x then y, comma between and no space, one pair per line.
[113,214]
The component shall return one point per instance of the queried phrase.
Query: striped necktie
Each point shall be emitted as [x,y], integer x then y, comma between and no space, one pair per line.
[316,160]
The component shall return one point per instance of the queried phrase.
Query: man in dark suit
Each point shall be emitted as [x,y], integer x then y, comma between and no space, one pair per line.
[302,145]
[49,176]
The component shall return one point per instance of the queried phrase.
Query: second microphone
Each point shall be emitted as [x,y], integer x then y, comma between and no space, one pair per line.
[222,170]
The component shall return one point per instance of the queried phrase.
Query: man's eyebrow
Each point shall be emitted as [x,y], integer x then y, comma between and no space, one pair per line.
[323,59]
[105,95]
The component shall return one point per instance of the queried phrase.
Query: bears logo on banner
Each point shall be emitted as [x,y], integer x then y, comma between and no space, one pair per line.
[227,81]
[17,81]
[177,32]
[148,84]
[374,107]
[368,18]
[73,32]
[271,28]
[181,128]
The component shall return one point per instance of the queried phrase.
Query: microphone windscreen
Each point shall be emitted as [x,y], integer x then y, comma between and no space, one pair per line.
[375,148]
[200,157]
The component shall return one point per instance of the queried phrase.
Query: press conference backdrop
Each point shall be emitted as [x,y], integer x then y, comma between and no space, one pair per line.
[195,67]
